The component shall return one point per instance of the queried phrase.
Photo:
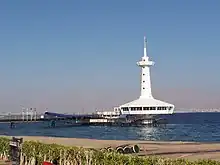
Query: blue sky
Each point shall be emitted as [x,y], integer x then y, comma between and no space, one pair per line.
[81,55]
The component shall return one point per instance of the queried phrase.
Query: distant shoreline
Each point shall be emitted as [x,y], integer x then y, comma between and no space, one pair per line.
[195,112]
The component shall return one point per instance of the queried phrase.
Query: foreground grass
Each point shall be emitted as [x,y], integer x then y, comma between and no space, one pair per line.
[35,153]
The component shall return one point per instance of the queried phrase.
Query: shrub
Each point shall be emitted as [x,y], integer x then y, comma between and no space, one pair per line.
[4,147]
[34,152]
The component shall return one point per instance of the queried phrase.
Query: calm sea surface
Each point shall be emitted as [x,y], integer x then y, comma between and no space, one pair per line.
[203,127]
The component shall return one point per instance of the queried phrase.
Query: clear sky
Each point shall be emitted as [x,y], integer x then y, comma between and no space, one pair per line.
[81,55]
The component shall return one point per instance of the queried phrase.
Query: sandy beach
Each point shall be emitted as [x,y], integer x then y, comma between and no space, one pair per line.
[188,150]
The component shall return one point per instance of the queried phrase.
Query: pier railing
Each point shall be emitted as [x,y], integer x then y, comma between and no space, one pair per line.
[19,117]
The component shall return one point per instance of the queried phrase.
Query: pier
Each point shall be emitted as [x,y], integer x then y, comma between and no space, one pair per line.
[26,115]
[19,118]
[62,120]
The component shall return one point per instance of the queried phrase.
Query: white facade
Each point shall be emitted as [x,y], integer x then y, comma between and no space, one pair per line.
[110,114]
[146,104]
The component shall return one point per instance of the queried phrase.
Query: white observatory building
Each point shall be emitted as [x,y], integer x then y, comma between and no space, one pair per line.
[146,104]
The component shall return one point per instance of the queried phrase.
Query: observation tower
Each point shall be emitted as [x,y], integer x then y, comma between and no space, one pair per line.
[146,103]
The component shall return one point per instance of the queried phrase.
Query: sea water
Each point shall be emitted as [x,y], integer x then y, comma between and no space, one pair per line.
[201,127]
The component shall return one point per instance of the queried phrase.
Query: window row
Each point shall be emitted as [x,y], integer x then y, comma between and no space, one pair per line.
[145,108]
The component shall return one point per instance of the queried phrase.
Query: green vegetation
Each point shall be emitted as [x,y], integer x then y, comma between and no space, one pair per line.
[33,152]
[4,147]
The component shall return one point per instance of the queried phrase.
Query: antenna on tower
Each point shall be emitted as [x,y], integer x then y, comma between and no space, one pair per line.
[145,46]
[145,41]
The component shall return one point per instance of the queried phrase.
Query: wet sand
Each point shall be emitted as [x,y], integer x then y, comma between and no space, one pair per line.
[188,150]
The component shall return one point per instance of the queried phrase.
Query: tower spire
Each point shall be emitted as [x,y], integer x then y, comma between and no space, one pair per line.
[145,46]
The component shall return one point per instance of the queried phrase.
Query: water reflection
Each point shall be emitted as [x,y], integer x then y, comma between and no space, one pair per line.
[148,133]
